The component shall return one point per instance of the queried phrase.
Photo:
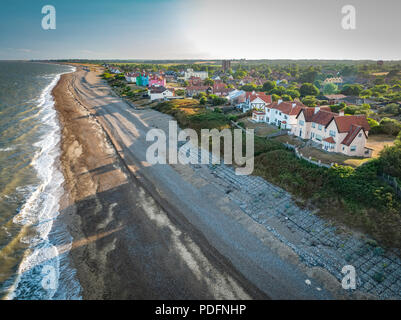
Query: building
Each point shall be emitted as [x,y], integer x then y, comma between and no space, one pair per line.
[115,70]
[334,98]
[142,80]
[334,132]
[283,114]
[256,100]
[155,81]
[194,90]
[226,64]
[335,80]
[131,77]
[198,74]
[236,97]
[158,93]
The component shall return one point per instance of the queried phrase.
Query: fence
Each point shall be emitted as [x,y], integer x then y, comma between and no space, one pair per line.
[309,159]
[392,181]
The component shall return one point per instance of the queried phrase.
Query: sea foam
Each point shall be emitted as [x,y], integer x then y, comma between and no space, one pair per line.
[46,259]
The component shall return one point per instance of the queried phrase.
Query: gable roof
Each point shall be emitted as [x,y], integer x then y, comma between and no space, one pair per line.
[353,132]
[323,117]
[344,123]
[309,112]
[288,107]
[254,95]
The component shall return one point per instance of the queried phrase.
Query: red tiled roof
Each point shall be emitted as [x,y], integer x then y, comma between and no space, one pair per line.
[258,112]
[329,140]
[309,112]
[254,95]
[288,107]
[353,132]
[323,117]
[344,123]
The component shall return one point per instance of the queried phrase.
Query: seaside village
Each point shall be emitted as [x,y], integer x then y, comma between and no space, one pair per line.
[318,127]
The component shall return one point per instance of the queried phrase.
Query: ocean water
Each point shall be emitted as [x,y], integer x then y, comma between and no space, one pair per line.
[34,245]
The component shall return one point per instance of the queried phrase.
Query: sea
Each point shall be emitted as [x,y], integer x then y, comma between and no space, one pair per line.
[34,243]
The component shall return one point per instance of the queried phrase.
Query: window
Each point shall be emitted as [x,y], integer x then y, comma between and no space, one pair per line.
[313,125]
[332,133]
[285,117]
[280,113]
[318,137]
[353,148]
[276,111]
[319,127]
[360,135]
[301,122]
[313,135]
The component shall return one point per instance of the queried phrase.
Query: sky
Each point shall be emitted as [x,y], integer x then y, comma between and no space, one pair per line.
[200,29]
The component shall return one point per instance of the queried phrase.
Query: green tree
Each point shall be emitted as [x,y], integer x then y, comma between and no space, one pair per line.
[330,88]
[269,85]
[308,89]
[208,82]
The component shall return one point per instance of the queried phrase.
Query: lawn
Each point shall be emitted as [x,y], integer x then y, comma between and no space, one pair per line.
[261,129]
[328,158]
[289,139]
[378,141]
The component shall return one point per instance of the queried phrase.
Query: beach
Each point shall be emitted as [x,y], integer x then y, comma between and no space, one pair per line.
[146,231]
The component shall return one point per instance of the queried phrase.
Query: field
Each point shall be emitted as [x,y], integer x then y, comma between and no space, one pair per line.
[261,129]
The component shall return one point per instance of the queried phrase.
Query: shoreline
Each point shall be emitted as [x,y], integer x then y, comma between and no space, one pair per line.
[177,208]
[85,149]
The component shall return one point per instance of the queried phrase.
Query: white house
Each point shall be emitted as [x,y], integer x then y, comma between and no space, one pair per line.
[256,100]
[283,114]
[197,74]
[157,93]
[115,70]
[131,77]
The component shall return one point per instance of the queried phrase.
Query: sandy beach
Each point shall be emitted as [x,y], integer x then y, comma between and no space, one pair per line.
[146,231]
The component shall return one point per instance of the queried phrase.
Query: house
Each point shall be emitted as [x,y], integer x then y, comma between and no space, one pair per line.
[142,80]
[115,70]
[155,81]
[334,132]
[222,92]
[191,73]
[335,80]
[256,100]
[194,90]
[334,98]
[283,114]
[131,77]
[258,116]
[236,97]
[157,93]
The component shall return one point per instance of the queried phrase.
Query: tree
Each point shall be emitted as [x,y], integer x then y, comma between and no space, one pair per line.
[286,97]
[203,100]
[180,92]
[208,82]
[269,85]
[308,89]
[352,89]
[309,101]
[330,88]
[293,93]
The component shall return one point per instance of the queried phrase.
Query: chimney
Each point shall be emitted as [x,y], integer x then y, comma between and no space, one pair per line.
[294,105]
[341,113]
[279,101]
[253,92]
[317,109]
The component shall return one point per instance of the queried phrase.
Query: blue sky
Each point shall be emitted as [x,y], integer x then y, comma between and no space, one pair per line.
[189,29]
